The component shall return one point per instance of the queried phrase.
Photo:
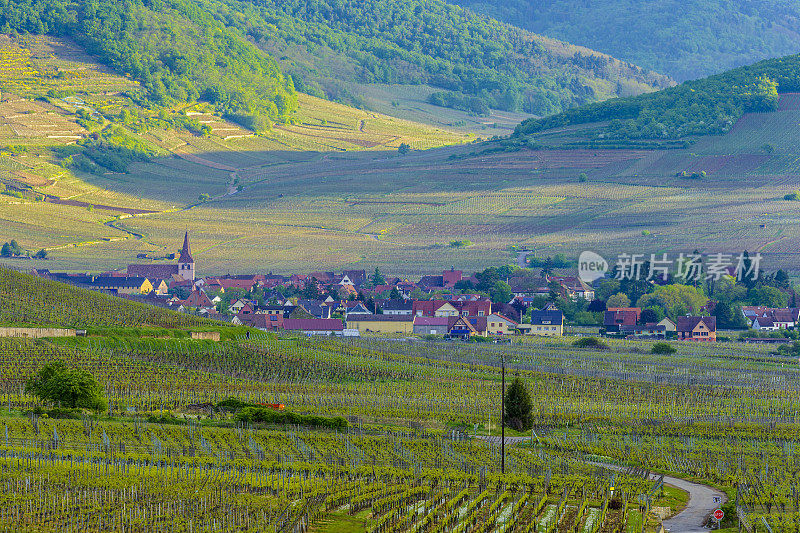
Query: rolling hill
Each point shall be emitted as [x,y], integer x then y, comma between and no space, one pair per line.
[685,40]
[701,107]
[33,301]
[474,62]
[223,52]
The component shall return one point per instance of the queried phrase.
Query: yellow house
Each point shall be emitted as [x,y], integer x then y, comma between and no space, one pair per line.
[497,324]
[546,323]
[160,287]
[392,324]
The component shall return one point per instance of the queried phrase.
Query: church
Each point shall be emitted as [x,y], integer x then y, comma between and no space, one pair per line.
[183,271]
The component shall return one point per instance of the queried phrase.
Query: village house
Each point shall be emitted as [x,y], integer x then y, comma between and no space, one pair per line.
[199,300]
[314,326]
[355,308]
[614,318]
[782,318]
[462,327]
[262,321]
[391,324]
[398,307]
[761,323]
[697,328]
[424,325]
[497,324]
[160,287]
[440,308]
[237,306]
[545,323]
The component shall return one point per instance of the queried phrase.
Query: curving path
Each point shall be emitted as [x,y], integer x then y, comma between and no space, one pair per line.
[690,520]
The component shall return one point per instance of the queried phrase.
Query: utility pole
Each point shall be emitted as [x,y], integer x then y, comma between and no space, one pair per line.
[503,418]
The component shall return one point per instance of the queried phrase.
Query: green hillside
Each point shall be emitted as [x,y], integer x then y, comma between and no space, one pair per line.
[184,51]
[174,48]
[476,61]
[686,40]
[30,300]
[708,106]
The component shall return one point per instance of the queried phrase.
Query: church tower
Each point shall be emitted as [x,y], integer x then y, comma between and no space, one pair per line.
[185,261]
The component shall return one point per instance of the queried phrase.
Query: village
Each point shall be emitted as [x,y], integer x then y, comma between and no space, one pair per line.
[446,305]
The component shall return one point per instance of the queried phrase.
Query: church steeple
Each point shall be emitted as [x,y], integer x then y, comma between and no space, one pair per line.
[186,261]
[186,251]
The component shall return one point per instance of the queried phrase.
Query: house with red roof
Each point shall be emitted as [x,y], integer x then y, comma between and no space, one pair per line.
[615,318]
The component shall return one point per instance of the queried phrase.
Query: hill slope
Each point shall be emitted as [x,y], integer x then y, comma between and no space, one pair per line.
[173,48]
[686,40]
[184,51]
[30,300]
[700,107]
[327,44]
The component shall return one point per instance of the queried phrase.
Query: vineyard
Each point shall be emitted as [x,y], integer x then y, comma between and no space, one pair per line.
[173,452]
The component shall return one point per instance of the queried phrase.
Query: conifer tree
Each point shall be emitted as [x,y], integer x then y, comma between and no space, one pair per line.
[518,406]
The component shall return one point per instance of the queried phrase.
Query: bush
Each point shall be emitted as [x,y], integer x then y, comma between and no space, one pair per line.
[70,387]
[590,342]
[271,416]
[792,196]
[662,348]
[163,417]
[233,404]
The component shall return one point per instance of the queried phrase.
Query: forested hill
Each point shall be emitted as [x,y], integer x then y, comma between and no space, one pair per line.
[477,61]
[686,39]
[175,48]
[222,51]
[699,107]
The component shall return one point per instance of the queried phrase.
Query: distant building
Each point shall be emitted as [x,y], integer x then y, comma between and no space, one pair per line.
[424,325]
[782,318]
[392,324]
[314,326]
[545,323]
[434,308]
[614,318]
[184,270]
[497,324]
[397,307]
[697,328]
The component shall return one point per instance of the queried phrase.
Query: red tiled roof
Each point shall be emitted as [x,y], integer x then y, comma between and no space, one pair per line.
[313,324]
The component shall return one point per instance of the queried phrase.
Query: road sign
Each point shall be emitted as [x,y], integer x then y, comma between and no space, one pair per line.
[718,515]
[717,500]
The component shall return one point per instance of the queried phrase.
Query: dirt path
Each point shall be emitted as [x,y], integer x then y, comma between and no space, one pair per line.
[690,519]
